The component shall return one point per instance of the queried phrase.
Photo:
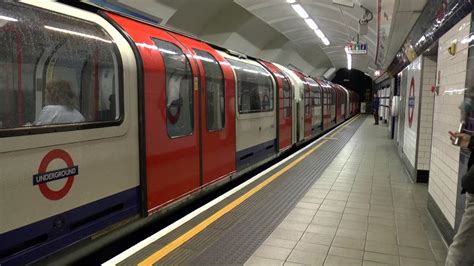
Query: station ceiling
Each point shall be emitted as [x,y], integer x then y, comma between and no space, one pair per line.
[272,30]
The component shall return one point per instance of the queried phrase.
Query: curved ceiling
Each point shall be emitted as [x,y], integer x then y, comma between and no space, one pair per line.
[272,30]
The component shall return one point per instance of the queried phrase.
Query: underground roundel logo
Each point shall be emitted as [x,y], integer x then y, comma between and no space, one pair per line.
[43,177]
[411,102]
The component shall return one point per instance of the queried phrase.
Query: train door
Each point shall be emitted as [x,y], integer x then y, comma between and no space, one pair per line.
[326,105]
[307,111]
[333,99]
[316,107]
[170,114]
[285,99]
[216,113]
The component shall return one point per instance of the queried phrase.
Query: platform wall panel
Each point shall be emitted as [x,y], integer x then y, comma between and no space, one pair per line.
[444,156]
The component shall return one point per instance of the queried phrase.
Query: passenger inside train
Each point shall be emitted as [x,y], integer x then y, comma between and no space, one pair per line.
[60,105]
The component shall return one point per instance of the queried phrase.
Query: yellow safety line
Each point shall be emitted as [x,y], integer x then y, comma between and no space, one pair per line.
[200,227]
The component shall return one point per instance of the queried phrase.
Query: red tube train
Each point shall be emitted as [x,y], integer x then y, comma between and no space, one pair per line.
[106,119]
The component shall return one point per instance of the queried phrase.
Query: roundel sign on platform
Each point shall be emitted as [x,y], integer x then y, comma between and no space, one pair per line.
[44,177]
[411,102]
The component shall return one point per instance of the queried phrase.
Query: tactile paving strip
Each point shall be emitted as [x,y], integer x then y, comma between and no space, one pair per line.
[233,238]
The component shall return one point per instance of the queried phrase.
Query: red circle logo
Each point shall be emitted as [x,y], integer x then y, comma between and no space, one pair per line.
[411,102]
[45,190]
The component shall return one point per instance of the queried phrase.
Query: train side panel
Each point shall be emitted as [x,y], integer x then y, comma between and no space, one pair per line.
[285,106]
[256,123]
[171,113]
[217,111]
[62,180]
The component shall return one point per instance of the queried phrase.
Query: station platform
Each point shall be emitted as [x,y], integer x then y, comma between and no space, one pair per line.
[346,199]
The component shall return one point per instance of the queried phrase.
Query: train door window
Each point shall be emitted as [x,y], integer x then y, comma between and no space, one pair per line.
[286,97]
[307,100]
[254,87]
[315,92]
[56,70]
[215,111]
[179,90]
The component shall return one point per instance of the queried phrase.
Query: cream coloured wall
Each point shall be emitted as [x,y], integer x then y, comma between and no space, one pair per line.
[444,156]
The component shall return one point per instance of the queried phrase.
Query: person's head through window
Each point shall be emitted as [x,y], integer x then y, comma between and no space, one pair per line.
[59,105]
[59,92]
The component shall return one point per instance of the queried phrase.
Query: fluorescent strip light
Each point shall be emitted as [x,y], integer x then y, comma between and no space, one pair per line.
[349,61]
[300,10]
[77,33]
[8,18]
[291,1]
[325,41]
[320,34]
[311,23]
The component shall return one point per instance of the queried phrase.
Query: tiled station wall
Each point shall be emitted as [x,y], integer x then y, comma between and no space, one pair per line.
[443,180]
[411,131]
[426,113]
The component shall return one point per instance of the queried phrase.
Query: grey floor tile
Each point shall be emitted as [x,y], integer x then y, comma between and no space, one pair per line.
[312,200]
[287,234]
[339,261]
[346,252]
[416,262]
[412,240]
[299,218]
[381,247]
[302,211]
[382,258]
[272,252]
[354,217]
[281,243]
[417,253]
[356,205]
[307,258]
[292,264]
[330,202]
[320,229]
[327,214]
[373,263]
[346,242]
[307,205]
[351,233]
[357,211]
[259,261]
[347,224]
[314,238]
[291,225]
[310,247]
[331,222]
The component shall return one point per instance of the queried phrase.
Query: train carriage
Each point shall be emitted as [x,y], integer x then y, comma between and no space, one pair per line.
[146,99]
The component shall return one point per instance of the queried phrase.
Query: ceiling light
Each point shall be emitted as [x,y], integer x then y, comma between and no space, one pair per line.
[325,41]
[377,73]
[311,23]
[349,61]
[8,18]
[300,10]
[291,1]
[348,3]
[320,34]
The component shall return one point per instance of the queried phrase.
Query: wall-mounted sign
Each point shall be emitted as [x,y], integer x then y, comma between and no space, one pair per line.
[411,102]
[356,48]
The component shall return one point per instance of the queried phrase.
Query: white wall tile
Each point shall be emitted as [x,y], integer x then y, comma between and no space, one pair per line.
[444,160]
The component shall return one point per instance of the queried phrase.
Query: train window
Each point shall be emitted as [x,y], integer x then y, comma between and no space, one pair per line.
[56,70]
[254,87]
[215,111]
[286,97]
[315,92]
[307,100]
[179,90]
